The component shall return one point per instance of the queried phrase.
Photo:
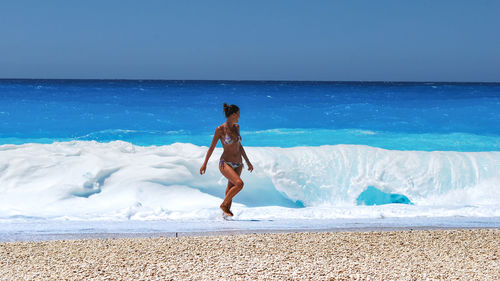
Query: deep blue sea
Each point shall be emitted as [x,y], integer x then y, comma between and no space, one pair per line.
[401,116]
[325,154]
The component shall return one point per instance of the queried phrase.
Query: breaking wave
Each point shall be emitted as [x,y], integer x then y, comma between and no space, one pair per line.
[88,180]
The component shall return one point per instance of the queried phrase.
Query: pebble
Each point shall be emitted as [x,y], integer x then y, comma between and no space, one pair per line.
[462,254]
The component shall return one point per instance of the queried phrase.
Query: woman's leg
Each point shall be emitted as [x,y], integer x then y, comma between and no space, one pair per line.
[230,184]
[235,179]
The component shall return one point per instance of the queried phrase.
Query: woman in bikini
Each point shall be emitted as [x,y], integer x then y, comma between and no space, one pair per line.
[230,164]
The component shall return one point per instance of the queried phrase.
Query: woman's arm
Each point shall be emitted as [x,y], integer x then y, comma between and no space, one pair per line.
[210,150]
[243,153]
[250,167]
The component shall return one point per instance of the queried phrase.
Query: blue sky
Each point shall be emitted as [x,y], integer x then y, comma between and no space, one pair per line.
[251,40]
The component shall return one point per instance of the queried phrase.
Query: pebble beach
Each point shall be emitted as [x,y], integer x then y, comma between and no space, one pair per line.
[463,254]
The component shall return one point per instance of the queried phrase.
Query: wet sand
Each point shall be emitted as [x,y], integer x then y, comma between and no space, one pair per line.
[467,254]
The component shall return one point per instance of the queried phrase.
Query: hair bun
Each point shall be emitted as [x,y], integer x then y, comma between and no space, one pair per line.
[230,109]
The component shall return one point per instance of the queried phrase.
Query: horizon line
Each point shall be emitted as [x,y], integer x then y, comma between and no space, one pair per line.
[252,80]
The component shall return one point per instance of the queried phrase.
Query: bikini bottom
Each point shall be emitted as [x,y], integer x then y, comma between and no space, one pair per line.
[233,165]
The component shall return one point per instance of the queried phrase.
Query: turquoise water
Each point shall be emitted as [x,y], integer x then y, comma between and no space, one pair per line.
[400,116]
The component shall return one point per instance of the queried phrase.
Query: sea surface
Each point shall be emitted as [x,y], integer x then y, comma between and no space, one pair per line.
[78,155]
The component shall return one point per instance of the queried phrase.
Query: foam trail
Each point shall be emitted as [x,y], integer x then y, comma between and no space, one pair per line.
[87,180]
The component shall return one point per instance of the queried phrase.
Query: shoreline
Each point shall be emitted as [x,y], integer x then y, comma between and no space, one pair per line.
[177,234]
[466,254]
[62,230]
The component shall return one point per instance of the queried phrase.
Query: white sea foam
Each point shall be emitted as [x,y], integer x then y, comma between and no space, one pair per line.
[83,180]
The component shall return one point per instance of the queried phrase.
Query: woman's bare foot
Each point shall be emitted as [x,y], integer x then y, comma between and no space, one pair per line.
[226,210]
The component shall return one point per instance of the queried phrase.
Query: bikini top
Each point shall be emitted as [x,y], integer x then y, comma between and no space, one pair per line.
[228,139]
